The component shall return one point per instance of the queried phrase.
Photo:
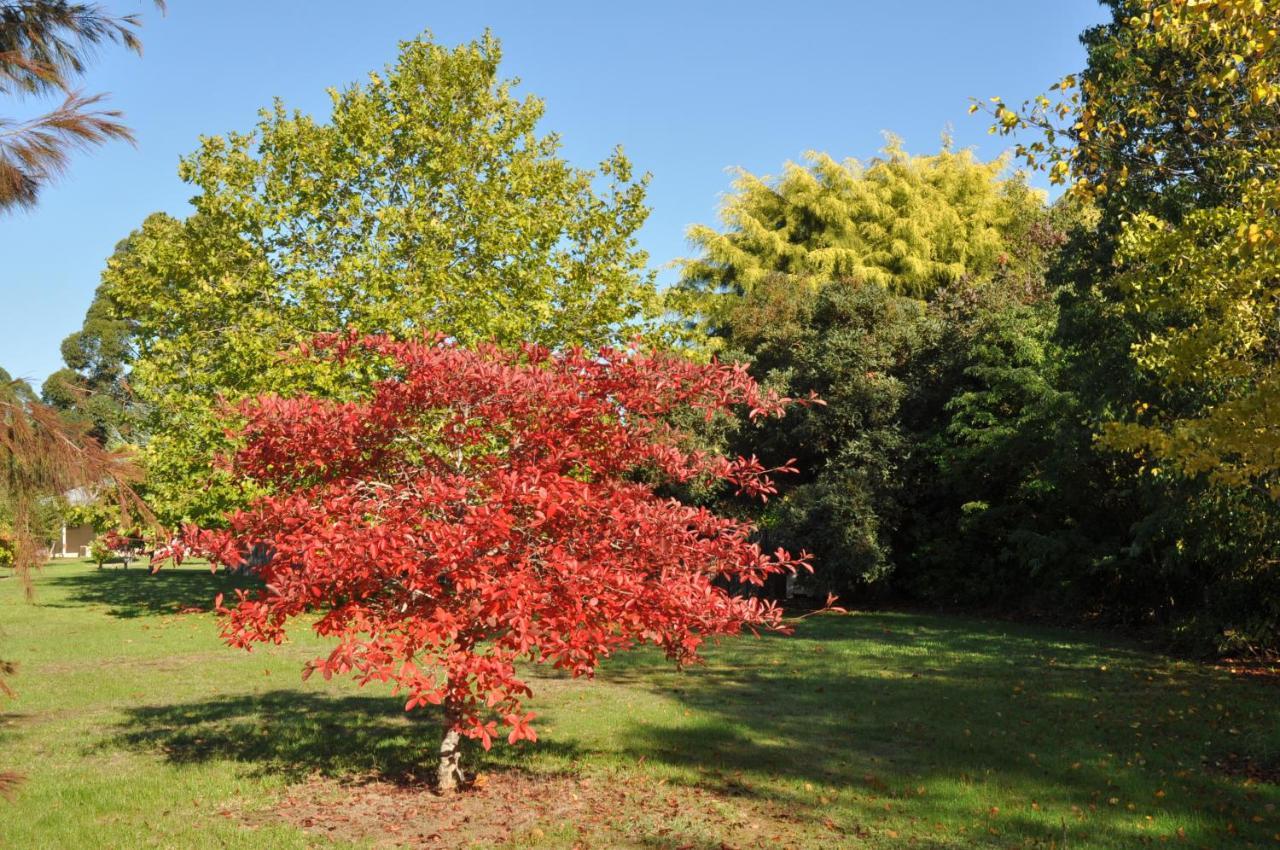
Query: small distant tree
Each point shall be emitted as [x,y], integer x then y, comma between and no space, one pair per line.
[481,507]
[94,386]
[99,552]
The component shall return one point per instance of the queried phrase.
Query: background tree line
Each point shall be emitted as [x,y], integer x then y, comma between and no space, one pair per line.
[1058,408]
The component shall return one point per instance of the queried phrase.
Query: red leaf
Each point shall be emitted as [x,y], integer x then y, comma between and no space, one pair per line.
[479,506]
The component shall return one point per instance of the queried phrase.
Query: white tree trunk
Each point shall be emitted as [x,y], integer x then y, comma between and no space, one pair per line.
[449,771]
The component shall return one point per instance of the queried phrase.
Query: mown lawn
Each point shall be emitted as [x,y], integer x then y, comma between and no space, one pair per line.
[137,728]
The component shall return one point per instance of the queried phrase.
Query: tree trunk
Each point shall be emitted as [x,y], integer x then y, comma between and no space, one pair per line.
[449,771]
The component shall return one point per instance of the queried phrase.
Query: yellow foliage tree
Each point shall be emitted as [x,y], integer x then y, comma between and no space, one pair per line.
[912,224]
[1174,130]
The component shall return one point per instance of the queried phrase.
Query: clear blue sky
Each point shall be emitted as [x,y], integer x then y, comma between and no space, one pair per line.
[689,89]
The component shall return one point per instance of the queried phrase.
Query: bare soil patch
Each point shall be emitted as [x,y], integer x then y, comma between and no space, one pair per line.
[518,809]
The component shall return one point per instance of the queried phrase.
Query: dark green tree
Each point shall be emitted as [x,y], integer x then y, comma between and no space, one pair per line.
[834,280]
[1168,306]
[93,387]
[853,346]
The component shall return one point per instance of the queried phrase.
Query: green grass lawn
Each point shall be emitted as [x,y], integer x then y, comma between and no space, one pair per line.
[137,728]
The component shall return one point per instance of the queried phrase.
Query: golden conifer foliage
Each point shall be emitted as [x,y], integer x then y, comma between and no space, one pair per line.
[912,224]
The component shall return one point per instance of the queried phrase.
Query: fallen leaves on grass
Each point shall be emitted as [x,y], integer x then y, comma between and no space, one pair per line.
[1265,669]
[9,782]
[1247,767]
[521,810]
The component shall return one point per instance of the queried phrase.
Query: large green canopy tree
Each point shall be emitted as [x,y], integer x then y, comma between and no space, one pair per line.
[1170,304]
[1174,128]
[428,201]
[830,279]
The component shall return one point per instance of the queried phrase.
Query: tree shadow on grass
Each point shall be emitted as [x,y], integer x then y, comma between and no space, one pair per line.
[140,593]
[293,734]
[972,726]
[379,762]
[1035,735]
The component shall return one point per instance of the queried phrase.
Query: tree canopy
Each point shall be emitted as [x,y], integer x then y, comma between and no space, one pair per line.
[479,507]
[1028,404]
[833,280]
[94,387]
[912,224]
[427,200]
[1174,126]
[1169,298]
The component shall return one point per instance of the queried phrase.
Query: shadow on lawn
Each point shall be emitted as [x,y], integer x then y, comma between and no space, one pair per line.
[980,726]
[137,592]
[293,734]
[942,720]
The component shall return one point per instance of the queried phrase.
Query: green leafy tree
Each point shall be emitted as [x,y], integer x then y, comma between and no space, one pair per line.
[99,552]
[993,452]
[1176,108]
[1174,127]
[427,202]
[94,387]
[851,346]
[1207,291]
[828,280]
[1169,307]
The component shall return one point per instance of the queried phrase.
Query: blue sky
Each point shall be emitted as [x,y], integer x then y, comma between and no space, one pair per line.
[689,89]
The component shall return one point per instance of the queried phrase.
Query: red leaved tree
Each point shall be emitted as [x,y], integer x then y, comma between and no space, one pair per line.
[480,508]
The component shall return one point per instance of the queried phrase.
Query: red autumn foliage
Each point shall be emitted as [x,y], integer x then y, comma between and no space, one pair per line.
[480,507]
[115,541]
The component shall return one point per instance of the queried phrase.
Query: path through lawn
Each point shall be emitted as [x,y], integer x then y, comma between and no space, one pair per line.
[137,728]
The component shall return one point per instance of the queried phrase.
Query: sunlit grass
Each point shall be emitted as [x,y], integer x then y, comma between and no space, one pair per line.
[136,727]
